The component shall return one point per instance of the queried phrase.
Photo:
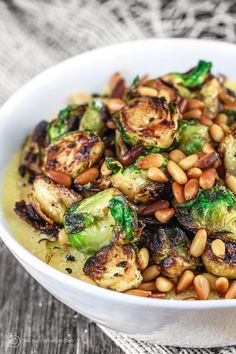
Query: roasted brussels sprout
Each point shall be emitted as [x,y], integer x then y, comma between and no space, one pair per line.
[150,122]
[228,150]
[212,209]
[221,266]
[231,114]
[209,95]
[192,136]
[169,247]
[114,267]
[101,219]
[33,149]
[73,153]
[94,118]
[51,200]
[67,120]
[135,185]
[192,78]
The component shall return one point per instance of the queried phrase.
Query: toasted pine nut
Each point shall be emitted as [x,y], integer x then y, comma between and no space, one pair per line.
[231,293]
[190,298]
[194,172]
[111,124]
[151,272]
[193,103]
[221,119]
[148,285]
[222,286]
[63,238]
[218,248]
[178,191]
[147,91]
[152,208]
[143,258]
[138,292]
[211,280]
[191,189]
[188,162]
[164,285]
[157,295]
[155,160]
[198,243]
[113,104]
[205,120]
[207,160]
[87,279]
[104,170]
[177,172]
[194,113]
[182,105]
[186,279]
[164,215]
[217,133]
[156,174]
[207,148]
[225,128]
[231,183]
[202,287]
[176,155]
[90,175]
[60,178]
[207,179]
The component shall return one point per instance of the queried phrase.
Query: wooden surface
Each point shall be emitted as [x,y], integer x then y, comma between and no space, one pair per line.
[33,322]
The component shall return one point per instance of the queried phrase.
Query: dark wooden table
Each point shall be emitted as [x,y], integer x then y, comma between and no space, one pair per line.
[34,322]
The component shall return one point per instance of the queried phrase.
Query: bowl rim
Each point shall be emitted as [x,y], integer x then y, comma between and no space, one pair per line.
[20,251]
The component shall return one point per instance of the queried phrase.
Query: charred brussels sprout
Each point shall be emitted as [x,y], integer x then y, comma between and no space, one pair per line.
[93,119]
[99,220]
[68,120]
[209,95]
[51,200]
[221,266]
[150,122]
[73,153]
[228,150]
[169,247]
[114,267]
[192,136]
[213,209]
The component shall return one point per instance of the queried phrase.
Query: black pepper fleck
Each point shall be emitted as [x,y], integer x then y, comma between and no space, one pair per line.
[69,270]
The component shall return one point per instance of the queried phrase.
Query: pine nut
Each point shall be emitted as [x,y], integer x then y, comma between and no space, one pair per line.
[194,113]
[190,298]
[202,287]
[164,215]
[178,191]
[156,174]
[222,286]
[90,175]
[231,183]
[143,258]
[155,160]
[198,243]
[147,91]
[176,155]
[193,103]
[104,170]
[138,292]
[207,179]
[60,178]
[225,128]
[217,133]
[113,104]
[207,160]
[164,285]
[188,162]
[191,189]
[208,148]
[177,172]
[182,105]
[211,280]
[111,124]
[205,120]
[151,272]
[63,238]
[157,295]
[148,285]
[221,119]
[231,293]
[194,172]
[185,281]
[152,208]
[218,248]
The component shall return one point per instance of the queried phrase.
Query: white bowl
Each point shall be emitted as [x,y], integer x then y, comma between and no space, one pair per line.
[176,323]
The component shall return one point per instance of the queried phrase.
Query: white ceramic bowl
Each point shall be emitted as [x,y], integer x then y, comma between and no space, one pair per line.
[176,323]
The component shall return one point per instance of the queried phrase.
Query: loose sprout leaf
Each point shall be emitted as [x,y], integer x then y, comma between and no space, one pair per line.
[92,119]
[135,82]
[113,165]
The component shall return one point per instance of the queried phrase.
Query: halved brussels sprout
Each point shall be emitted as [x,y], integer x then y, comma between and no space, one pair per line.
[51,200]
[99,220]
[228,150]
[210,96]
[150,122]
[191,136]
[213,210]
[94,118]
[114,267]
[221,266]
[169,247]
[73,153]
[67,120]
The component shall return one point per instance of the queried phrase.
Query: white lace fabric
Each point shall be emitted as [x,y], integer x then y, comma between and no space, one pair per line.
[35,35]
